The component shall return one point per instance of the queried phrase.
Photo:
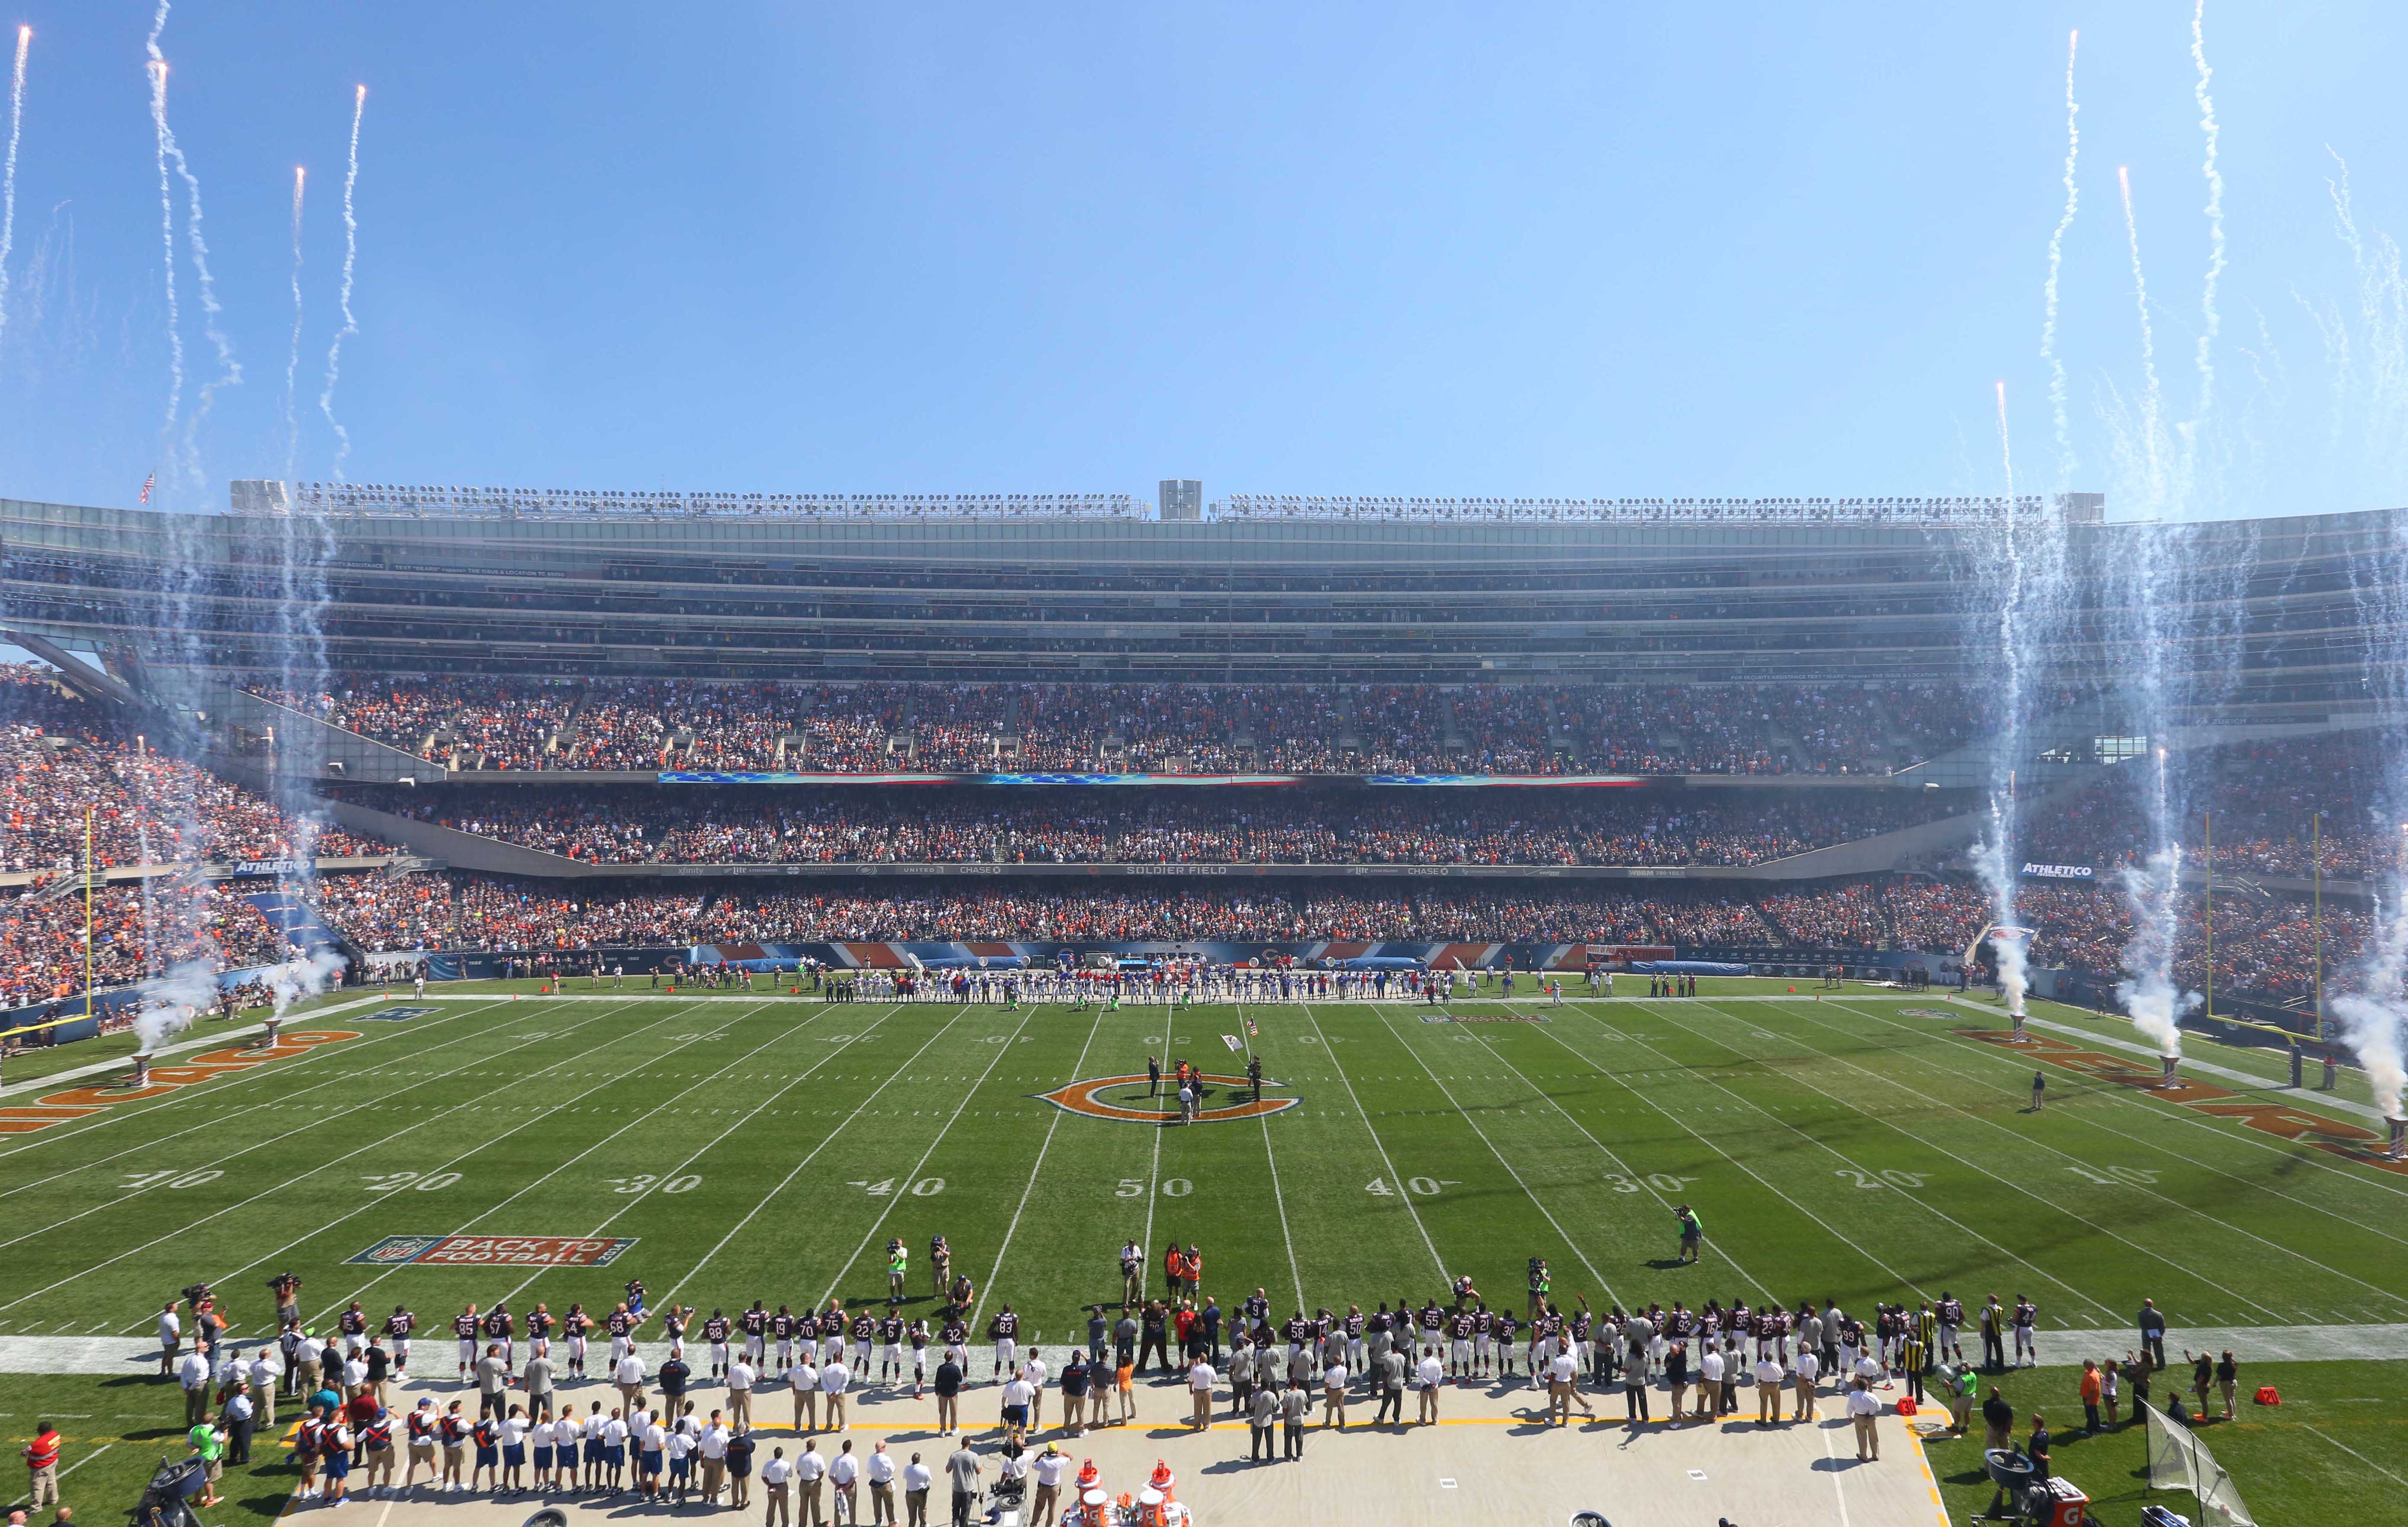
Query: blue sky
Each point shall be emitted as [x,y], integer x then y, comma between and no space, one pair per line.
[1397,249]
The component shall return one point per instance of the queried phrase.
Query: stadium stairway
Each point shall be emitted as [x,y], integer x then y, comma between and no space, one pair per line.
[298,921]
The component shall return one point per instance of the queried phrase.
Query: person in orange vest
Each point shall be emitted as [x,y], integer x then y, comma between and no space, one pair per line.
[1193,1270]
[1174,1268]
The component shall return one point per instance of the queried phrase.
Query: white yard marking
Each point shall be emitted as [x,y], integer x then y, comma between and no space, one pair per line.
[778,1037]
[1627,1170]
[1000,1051]
[784,1183]
[217,1215]
[2362,1458]
[1502,1160]
[2137,1243]
[1078,1070]
[1920,1201]
[215,1087]
[1377,1144]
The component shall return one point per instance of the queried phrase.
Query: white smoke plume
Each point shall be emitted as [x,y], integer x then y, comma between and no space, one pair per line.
[2066,460]
[302,976]
[351,258]
[167,241]
[2374,1016]
[1993,868]
[2152,406]
[2211,321]
[2150,993]
[170,1003]
[293,357]
[229,369]
[8,172]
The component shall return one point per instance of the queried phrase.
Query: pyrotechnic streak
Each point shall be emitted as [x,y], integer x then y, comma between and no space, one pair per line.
[8,174]
[2065,461]
[293,357]
[166,235]
[351,324]
[2152,395]
[2211,321]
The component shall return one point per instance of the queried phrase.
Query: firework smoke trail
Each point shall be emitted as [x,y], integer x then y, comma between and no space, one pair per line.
[2373,1016]
[2211,323]
[2065,457]
[167,239]
[351,324]
[8,174]
[2382,313]
[204,284]
[293,358]
[2152,395]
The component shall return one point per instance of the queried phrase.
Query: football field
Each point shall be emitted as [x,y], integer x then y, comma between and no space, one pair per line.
[726,1147]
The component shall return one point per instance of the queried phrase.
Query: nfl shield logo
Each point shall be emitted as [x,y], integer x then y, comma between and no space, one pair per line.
[395,1249]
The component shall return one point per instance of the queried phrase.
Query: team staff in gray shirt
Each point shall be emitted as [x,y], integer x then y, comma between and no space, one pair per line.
[1262,1412]
[536,1379]
[963,1468]
[1390,1366]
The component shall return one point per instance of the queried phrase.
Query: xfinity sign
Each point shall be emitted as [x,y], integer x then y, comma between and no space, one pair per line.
[2058,871]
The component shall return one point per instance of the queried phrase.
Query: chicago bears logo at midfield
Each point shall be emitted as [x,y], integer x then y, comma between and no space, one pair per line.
[1124,1097]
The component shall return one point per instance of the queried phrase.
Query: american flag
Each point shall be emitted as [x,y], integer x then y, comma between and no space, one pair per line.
[147,484]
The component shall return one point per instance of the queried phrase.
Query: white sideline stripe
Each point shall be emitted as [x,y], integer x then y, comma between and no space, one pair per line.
[524,1188]
[2360,1456]
[2207,1068]
[1602,1281]
[2058,1348]
[214,1215]
[876,1224]
[157,1141]
[1078,1069]
[100,1068]
[769,1197]
[1377,1144]
[212,1088]
[2138,1244]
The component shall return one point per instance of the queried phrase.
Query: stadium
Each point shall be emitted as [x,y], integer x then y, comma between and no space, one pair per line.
[1565,904]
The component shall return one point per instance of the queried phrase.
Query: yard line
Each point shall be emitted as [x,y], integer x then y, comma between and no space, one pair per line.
[743,1119]
[1078,1070]
[1278,1199]
[2360,1456]
[1612,1156]
[219,1213]
[1752,1107]
[1602,1280]
[2137,1244]
[525,1189]
[2140,1188]
[121,1113]
[1153,1191]
[768,1198]
[303,1127]
[1377,1143]
[1000,1051]
[2158,1109]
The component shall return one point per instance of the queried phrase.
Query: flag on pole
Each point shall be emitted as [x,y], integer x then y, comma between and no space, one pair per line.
[147,484]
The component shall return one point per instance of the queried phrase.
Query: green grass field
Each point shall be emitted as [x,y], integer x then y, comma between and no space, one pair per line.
[765,1146]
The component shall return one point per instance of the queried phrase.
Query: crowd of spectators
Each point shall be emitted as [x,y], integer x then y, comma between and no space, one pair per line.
[735,825]
[62,760]
[874,727]
[137,930]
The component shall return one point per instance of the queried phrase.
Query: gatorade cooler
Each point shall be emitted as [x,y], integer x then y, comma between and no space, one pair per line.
[2066,1505]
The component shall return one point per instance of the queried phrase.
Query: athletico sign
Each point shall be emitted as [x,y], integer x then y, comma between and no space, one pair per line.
[495,1250]
[1136,1106]
[2060,871]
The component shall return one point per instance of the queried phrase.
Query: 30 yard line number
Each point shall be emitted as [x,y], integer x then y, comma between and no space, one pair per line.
[646,1183]
[1663,1182]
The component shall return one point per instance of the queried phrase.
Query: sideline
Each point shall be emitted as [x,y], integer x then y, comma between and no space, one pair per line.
[2205,1068]
[56,1078]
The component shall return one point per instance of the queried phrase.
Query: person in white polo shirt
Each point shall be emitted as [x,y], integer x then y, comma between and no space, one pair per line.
[1864,1408]
[712,1445]
[1432,1374]
[777,1477]
[1809,1366]
[835,1379]
[917,1478]
[629,1376]
[741,1378]
[844,1473]
[1015,1411]
[1200,1379]
[804,1380]
[1563,1387]
[1037,1372]
[881,1473]
[811,1470]
[1051,1463]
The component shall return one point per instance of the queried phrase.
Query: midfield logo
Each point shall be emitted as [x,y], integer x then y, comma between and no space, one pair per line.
[1124,1098]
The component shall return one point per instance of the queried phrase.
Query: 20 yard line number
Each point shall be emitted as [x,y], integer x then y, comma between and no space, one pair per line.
[394,1182]
[1890,1178]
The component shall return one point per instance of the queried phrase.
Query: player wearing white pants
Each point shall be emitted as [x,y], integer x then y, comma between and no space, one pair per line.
[1007,1357]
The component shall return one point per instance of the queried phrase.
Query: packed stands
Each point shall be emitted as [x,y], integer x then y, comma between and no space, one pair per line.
[736,825]
[873,728]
